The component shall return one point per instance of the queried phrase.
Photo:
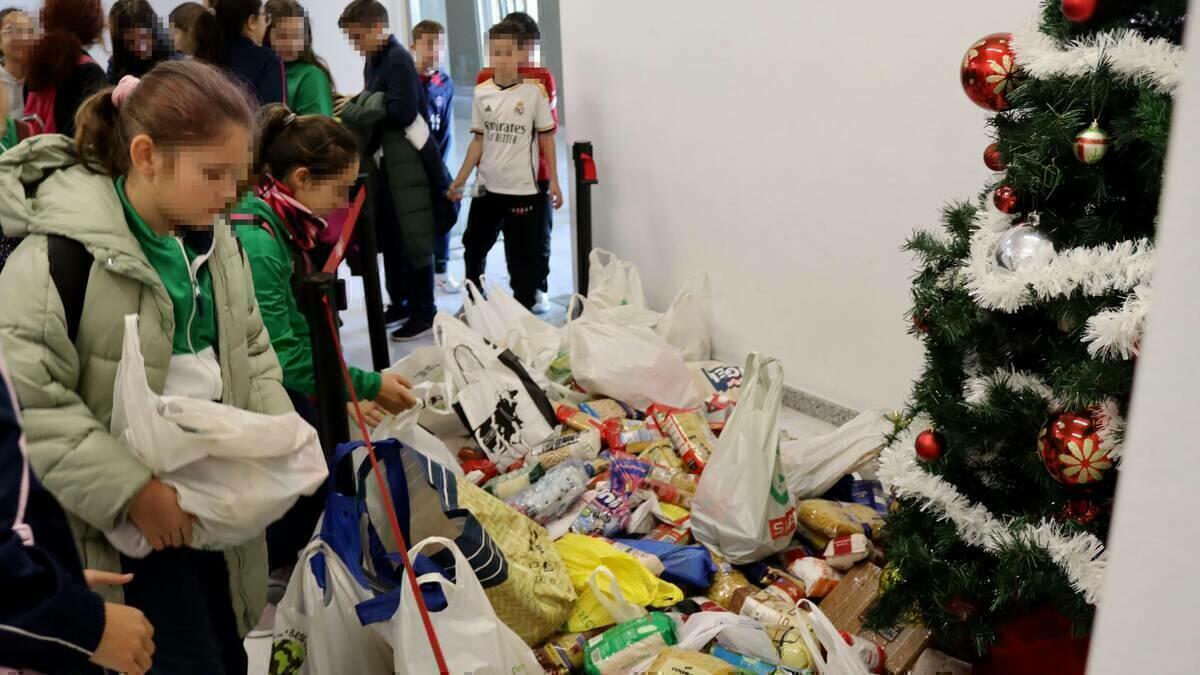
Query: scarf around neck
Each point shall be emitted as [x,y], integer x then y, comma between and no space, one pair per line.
[301,224]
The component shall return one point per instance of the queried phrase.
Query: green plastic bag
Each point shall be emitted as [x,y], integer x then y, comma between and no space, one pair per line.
[622,647]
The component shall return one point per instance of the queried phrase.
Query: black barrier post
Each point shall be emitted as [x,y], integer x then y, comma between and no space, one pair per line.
[368,266]
[585,178]
[334,425]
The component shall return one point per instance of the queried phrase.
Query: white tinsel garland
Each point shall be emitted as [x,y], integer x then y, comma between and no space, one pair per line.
[1117,333]
[1088,270]
[976,389]
[1110,427]
[1081,556]
[1132,57]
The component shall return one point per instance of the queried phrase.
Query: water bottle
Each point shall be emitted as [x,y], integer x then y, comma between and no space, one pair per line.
[472,191]
[555,492]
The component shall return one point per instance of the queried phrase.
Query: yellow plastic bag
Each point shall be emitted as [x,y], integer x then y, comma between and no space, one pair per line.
[583,555]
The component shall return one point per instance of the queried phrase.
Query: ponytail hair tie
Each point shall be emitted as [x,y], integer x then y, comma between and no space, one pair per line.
[123,89]
[287,121]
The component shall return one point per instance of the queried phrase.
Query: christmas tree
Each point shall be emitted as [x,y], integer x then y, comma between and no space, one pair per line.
[1030,305]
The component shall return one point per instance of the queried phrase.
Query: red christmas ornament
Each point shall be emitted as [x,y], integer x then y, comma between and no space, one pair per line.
[988,71]
[1070,449]
[1079,10]
[930,445]
[961,608]
[991,158]
[1082,511]
[1005,198]
[918,320]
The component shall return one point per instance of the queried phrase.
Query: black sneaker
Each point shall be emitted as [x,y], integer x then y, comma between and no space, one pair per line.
[412,330]
[394,314]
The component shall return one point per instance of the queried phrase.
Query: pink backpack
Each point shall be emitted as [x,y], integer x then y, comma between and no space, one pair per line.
[40,103]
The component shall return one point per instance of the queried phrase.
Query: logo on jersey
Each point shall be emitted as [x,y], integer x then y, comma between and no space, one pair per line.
[520,109]
[487,108]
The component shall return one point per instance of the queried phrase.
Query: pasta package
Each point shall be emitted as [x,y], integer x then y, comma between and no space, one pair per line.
[833,519]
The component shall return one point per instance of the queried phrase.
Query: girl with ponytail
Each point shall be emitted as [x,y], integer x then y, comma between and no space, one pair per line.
[60,75]
[308,164]
[127,217]
[230,36]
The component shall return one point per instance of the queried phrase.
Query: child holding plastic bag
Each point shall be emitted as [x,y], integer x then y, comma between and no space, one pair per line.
[121,222]
[308,165]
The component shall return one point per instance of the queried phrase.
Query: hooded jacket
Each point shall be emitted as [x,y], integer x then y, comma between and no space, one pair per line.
[66,389]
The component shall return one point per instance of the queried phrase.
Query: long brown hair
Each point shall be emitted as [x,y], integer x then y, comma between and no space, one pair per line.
[287,141]
[68,26]
[290,9]
[221,25]
[178,103]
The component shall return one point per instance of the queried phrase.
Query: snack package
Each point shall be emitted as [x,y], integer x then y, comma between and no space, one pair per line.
[688,482]
[686,662]
[628,473]
[605,409]
[793,652]
[689,433]
[795,552]
[831,519]
[576,419]
[842,552]
[619,433]
[621,647]
[668,493]
[583,445]
[726,583]
[748,664]
[467,453]
[764,606]
[869,493]
[649,560]
[818,577]
[718,410]
[670,534]
[603,513]
[659,453]
[719,378]
[514,482]
[781,584]
[483,467]
[564,652]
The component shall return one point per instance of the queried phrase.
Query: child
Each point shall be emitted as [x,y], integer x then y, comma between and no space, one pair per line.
[182,20]
[428,40]
[311,162]
[510,120]
[230,35]
[17,36]
[50,619]
[390,113]
[309,84]
[126,212]
[137,40]
[60,75]
[532,72]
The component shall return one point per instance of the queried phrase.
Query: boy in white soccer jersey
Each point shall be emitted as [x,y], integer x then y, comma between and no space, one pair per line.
[510,119]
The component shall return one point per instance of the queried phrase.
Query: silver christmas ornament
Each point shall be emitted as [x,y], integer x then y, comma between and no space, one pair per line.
[1022,244]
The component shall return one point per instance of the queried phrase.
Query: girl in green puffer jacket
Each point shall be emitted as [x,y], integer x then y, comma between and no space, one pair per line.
[152,166]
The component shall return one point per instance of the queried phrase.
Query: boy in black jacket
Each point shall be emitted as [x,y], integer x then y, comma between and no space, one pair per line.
[50,621]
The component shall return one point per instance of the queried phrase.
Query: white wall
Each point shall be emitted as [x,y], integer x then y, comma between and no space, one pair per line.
[1147,621]
[786,148]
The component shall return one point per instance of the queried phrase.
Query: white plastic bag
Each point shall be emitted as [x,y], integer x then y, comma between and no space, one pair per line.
[317,630]
[472,638]
[687,324]
[235,470]
[813,465]
[425,368]
[507,324]
[738,633]
[629,363]
[507,412]
[613,282]
[839,658]
[742,506]
[404,428]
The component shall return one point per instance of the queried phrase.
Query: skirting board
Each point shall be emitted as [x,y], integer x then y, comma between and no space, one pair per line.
[814,406]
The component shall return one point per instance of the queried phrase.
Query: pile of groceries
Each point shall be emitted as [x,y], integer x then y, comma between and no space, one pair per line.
[567,514]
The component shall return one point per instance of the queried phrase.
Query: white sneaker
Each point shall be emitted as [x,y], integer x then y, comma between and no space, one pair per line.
[446,283]
[542,305]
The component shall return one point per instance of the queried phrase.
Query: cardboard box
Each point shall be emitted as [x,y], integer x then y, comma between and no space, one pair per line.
[933,662]
[846,605]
